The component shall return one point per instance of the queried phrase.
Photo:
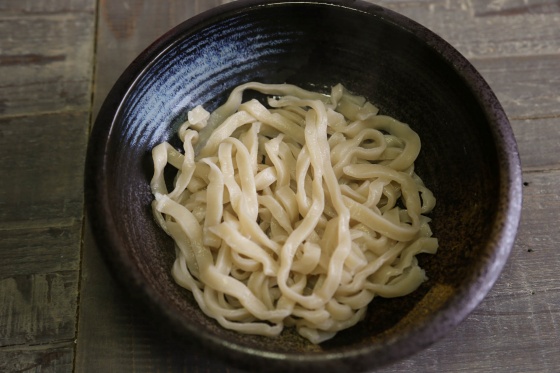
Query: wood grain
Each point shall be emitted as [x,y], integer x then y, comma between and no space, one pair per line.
[36,309]
[527,86]
[45,62]
[43,359]
[488,28]
[46,65]
[39,250]
[26,7]
[42,168]
[539,143]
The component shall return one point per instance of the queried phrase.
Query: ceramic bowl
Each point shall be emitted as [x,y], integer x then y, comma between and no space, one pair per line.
[469,160]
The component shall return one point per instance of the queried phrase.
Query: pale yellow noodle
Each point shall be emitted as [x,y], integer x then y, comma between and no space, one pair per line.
[296,214]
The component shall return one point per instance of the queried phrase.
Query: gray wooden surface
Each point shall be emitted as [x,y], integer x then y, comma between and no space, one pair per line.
[61,311]
[46,66]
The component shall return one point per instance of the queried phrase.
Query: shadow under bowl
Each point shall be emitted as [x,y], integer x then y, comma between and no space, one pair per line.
[468,159]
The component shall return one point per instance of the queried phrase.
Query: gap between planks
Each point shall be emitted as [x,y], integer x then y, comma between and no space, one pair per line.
[38,346]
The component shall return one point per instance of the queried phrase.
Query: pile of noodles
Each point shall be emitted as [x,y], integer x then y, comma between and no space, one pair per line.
[297,213]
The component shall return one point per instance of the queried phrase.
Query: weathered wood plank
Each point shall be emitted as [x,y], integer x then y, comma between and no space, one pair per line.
[481,28]
[46,6]
[39,308]
[42,169]
[46,64]
[41,205]
[40,250]
[39,359]
[485,8]
[539,143]
[527,87]
[45,61]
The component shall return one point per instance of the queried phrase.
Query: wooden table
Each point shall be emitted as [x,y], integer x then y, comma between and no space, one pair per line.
[60,310]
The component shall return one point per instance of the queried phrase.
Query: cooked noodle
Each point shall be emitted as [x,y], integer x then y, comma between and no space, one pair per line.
[297,213]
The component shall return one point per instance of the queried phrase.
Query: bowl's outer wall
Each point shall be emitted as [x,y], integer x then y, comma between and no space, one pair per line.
[314,46]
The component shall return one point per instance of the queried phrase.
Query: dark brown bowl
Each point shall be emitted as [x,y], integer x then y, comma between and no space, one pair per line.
[469,159]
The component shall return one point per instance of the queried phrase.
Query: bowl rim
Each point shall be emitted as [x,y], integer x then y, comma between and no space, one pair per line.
[456,309]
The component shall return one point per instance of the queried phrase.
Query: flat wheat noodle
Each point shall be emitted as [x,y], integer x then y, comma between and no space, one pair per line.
[295,214]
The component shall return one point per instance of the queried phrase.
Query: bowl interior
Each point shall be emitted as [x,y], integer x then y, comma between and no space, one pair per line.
[406,71]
